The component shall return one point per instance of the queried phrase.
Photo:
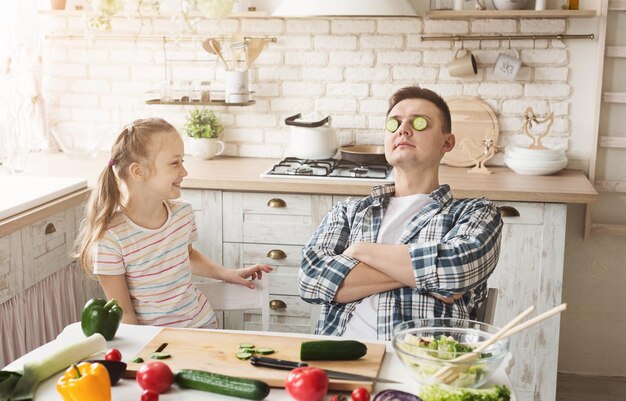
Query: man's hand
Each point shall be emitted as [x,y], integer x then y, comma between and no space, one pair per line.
[448,300]
[241,276]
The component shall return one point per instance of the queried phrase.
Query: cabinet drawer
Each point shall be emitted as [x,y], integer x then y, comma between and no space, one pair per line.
[11,269]
[284,258]
[272,218]
[46,247]
[527,213]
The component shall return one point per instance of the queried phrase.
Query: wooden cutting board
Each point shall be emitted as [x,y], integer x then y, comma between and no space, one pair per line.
[214,351]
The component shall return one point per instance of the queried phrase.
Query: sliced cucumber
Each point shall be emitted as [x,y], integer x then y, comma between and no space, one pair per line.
[160,355]
[264,351]
[250,350]
[246,345]
[243,355]
[137,360]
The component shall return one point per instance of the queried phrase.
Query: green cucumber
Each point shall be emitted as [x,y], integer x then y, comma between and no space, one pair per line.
[249,389]
[137,360]
[329,350]
[246,345]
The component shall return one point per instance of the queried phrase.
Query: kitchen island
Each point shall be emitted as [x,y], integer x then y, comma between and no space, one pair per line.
[244,219]
[131,339]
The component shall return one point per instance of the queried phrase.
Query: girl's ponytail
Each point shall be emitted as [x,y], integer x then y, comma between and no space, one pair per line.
[104,201]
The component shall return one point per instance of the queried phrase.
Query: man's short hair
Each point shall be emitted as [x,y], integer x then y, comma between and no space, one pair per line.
[415,92]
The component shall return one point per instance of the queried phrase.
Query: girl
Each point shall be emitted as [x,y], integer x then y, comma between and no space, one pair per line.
[136,238]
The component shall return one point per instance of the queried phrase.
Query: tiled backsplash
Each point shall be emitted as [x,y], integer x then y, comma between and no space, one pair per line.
[344,67]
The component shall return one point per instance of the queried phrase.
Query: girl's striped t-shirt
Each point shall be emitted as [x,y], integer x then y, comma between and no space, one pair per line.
[157,269]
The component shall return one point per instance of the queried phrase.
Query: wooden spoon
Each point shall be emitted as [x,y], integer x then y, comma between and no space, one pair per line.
[213,46]
[255,47]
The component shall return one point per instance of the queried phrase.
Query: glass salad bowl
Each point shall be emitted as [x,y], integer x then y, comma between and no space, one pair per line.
[427,345]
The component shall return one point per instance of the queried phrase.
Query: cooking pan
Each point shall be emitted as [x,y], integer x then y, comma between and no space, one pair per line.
[370,154]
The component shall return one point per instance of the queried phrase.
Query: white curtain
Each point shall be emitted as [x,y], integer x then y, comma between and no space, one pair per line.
[22,116]
[40,313]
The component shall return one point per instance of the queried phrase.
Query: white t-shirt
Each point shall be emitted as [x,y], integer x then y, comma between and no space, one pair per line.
[399,212]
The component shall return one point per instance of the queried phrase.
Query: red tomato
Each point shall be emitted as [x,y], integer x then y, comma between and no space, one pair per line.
[113,355]
[149,395]
[155,376]
[307,384]
[360,394]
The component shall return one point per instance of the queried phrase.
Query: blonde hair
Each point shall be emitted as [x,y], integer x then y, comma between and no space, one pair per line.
[134,144]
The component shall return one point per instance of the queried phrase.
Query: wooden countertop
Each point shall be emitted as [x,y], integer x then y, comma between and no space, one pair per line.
[243,174]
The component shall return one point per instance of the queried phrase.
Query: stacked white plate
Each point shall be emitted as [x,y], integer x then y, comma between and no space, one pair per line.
[534,161]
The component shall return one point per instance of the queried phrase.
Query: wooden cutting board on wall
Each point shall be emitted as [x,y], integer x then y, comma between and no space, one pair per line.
[215,351]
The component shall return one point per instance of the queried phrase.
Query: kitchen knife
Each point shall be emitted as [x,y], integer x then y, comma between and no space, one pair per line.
[263,361]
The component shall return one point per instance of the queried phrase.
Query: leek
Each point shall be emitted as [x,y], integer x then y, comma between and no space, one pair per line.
[34,372]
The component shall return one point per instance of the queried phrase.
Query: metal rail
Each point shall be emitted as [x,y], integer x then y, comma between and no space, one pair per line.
[557,36]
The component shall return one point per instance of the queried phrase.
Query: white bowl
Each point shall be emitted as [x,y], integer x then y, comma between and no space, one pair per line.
[518,152]
[526,167]
[509,4]
[78,143]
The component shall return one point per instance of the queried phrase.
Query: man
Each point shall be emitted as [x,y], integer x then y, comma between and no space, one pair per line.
[409,250]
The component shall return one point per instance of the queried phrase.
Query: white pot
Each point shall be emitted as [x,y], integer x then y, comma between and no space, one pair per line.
[205,148]
[312,138]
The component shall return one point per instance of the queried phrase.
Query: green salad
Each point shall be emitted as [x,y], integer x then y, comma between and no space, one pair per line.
[426,355]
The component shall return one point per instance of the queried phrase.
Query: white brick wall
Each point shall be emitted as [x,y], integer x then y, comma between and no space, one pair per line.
[346,68]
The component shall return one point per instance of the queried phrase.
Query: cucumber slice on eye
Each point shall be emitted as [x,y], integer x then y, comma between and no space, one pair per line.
[419,123]
[392,125]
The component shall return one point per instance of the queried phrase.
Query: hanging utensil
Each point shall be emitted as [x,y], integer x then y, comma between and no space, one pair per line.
[213,46]
[238,48]
[254,49]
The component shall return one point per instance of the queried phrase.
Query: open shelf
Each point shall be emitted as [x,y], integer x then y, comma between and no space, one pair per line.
[209,103]
[490,14]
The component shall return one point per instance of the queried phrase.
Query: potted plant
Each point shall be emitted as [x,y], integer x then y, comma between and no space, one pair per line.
[203,129]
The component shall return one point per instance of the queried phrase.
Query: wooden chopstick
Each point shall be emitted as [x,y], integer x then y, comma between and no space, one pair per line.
[536,319]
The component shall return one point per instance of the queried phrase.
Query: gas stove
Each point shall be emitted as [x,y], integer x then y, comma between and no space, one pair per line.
[328,169]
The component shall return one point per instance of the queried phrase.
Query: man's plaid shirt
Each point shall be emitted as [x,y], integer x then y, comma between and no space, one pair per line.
[453,244]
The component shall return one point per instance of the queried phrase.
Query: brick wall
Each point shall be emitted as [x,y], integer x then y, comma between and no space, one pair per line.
[343,67]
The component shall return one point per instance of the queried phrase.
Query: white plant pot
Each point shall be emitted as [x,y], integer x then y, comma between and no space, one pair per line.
[205,148]
[509,4]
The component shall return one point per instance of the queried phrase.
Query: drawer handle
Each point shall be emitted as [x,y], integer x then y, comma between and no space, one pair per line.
[277,304]
[50,229]
[508,211]
[276,254]
[276,202]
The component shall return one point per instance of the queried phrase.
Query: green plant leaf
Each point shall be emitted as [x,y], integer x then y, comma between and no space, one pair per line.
[203,123]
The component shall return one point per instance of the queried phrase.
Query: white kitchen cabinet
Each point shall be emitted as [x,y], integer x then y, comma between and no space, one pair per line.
[530,272]
[272,228]
[28,258]
[208,211]
[11,272]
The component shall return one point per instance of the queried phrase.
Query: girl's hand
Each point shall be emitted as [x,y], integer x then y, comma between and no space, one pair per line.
[240,276]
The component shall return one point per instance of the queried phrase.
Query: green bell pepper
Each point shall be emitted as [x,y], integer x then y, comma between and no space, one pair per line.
[100,316]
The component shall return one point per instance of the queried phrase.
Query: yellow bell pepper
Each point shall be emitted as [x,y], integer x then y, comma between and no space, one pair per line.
[85,382]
